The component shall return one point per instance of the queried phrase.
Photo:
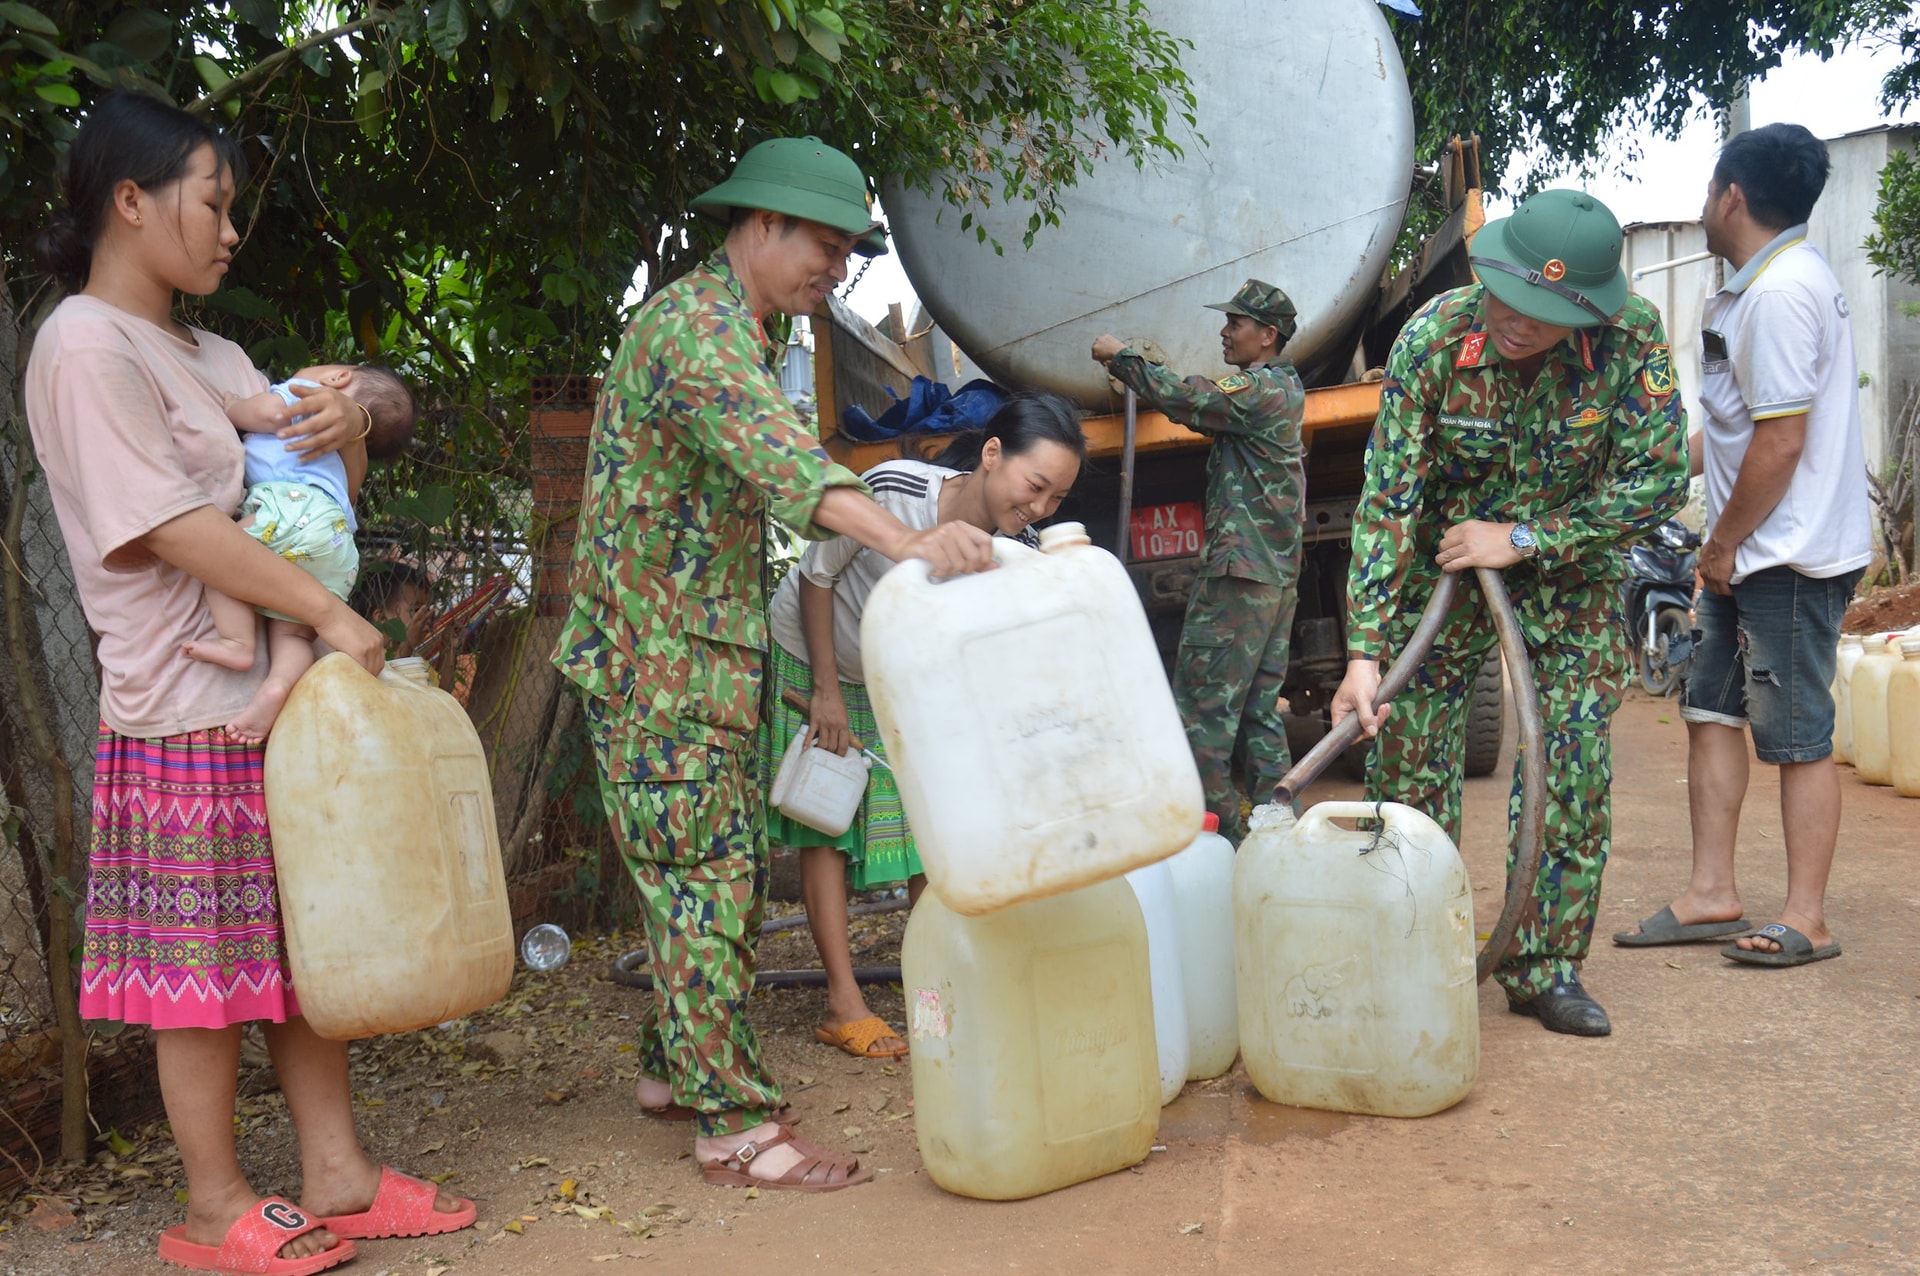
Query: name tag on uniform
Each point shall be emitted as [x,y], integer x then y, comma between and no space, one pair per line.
[1469,422]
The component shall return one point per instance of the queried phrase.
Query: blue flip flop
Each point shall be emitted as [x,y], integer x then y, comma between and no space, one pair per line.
[1795,949]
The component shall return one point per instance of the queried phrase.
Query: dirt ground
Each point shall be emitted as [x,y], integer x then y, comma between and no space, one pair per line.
[1738,1120]
[1884,609]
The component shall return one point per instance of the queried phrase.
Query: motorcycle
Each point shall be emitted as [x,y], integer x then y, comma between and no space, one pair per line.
[1659,605]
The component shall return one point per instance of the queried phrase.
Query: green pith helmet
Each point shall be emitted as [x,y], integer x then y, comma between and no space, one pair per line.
[1263,303]
[801,177]
[1557,259]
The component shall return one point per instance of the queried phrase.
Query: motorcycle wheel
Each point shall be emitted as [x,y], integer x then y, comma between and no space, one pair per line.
[1656,675]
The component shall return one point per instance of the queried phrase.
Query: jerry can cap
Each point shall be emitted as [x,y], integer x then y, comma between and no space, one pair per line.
[1210,822]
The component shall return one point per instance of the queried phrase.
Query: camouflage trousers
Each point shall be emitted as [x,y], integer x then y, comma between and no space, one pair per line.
[1226,681]
[1578,644]
[697,851]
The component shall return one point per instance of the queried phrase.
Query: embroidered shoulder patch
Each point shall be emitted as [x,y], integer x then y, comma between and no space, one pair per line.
[1235,382]
[1470,350]
[1657,375]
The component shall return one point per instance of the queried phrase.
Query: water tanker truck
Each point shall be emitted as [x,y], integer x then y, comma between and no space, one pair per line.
[1299,174]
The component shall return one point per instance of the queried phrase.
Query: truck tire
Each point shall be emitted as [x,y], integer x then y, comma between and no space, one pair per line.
[1486,719]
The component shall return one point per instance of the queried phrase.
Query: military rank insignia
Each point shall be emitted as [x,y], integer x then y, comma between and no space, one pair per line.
[1235,382]
[1657,375]
[1470,350]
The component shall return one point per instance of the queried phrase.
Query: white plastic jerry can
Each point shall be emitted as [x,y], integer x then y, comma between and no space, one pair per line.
[1028,722]
[385,850]
[1867,694]
[1153,891]
[1852,647]
[821,790]
[1033,1041]
[1356,963]
[1203,903]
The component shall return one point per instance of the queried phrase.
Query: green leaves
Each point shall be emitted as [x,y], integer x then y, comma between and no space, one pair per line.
[1894,246]
[1552,82]
[27,18]
[432,506]
[144,34]
[447,27]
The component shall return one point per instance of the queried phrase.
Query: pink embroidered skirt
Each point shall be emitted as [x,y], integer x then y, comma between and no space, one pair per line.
[183,916]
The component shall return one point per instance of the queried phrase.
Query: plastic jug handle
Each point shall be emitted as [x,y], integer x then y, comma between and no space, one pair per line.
[1325,812]
[1007,552]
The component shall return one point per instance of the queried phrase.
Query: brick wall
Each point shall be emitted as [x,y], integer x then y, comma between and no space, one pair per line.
[559,424]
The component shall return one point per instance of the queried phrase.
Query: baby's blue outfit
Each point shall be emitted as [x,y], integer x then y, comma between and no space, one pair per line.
[270,460]
[300,507]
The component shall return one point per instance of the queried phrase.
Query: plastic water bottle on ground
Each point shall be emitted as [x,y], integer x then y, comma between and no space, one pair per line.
[545,948]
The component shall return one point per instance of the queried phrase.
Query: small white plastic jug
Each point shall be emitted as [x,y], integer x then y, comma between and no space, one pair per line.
[822,790]
[1028,722]
[1153,890]
[384,846]
[1203,902]
[1355,954]
[1033,1045]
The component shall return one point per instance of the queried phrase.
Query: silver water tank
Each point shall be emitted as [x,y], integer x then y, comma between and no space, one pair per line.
[1301,180]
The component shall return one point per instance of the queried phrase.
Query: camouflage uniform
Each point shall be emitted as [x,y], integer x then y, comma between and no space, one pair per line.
[1591,455]
[693,446]
[1233,646]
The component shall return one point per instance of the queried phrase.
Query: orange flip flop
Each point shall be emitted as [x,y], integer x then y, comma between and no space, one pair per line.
[252,1244]
[857,1038]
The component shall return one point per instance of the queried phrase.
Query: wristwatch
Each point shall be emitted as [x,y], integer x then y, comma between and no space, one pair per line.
[1521,538]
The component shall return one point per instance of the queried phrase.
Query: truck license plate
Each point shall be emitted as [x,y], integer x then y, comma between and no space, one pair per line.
[1166,531]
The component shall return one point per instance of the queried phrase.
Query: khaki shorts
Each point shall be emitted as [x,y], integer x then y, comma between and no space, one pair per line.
[306,526]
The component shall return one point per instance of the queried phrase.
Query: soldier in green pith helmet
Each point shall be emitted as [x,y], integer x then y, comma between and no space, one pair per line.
[1530,423]
[693,448]
[1233,646]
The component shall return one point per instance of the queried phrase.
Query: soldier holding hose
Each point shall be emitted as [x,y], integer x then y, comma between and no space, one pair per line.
[1529,422]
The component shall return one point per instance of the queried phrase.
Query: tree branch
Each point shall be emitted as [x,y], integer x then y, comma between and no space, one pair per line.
[268,67]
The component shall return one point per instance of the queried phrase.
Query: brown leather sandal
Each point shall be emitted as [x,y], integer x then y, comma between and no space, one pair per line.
[815,1173]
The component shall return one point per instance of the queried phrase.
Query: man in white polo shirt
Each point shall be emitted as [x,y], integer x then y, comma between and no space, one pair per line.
[1787,501]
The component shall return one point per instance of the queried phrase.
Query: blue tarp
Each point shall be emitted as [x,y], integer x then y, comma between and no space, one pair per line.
[1405,8]
[929,408]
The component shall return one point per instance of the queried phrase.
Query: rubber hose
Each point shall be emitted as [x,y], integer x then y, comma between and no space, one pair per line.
[1531,753]
[624,974]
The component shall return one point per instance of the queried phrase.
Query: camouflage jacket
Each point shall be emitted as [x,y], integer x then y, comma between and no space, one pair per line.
[1256,469]
[693,446]
[1592,455]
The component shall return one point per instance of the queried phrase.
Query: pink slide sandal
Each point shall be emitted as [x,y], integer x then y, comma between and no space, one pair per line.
[252,1244]
[403,1206]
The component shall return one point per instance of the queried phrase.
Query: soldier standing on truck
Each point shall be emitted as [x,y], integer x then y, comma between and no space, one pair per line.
[694,448]
[1530,422]
[1233,646]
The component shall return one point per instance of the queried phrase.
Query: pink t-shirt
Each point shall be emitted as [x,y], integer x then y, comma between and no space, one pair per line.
[129,424]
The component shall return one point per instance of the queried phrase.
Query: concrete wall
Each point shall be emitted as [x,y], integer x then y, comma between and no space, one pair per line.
[1680,293]
[1886,342]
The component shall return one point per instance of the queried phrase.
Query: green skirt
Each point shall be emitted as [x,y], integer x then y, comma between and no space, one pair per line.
[878,844]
